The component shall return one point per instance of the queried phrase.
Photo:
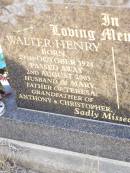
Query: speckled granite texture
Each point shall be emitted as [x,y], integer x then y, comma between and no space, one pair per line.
[83,136]
[76,66]
[75,134]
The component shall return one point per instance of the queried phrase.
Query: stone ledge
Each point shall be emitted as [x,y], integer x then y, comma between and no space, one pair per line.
[66,139]
[51,160]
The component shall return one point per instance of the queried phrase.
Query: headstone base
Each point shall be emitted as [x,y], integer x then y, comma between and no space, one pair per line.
[91,137]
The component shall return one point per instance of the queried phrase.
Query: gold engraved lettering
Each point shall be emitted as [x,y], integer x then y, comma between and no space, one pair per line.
[50,67]
[113,117]
[70,32]
[86,106]
[87,113]
[34,98]
[38,86]
[41,80]
[58,95]
[108,20]
[80,91]
[111,34]
[53,52]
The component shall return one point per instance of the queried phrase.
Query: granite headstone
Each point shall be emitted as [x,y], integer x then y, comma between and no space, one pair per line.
[68,62]
[71,60]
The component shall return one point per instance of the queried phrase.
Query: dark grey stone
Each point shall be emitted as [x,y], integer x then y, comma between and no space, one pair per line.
[73,134]
[76,71]
[92,137]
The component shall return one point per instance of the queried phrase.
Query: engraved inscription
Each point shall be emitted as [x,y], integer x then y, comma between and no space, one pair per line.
[72,61]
